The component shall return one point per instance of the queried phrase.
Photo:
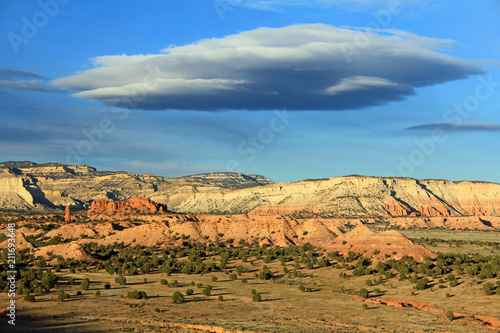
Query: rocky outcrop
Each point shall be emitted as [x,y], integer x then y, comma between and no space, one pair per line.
[21,242]
[141,205]
[377,245]
[13,194]
[67,214]
[70,250]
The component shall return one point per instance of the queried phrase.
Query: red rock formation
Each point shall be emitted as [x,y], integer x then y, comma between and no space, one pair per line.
[67,214]
[395,208]
[376,245]
[133,204]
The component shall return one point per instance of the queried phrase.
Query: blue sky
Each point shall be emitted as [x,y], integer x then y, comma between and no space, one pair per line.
[287,89]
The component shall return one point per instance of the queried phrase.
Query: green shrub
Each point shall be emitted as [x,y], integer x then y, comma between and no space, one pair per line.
[61,296]
[177,297]
[253,291]
[173,284]
[221,298]
[120,279]
[137,294]
[85,284]
[98,293]
[266,274]
[369,283]
[207,291]
[302,288]
[488,288]
[232,277]
[48,280]
[363,293]
[189,292]
[422,283]
[256,297]
[107,285]
[214,279]
[449,315]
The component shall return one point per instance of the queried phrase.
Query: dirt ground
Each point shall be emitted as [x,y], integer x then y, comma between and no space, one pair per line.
[284,308]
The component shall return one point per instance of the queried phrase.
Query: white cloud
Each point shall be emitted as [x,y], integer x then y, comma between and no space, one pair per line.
[301,67]
[460,126]
[358,83]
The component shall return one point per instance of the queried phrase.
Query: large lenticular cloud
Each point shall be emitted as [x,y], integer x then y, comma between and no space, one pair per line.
[300,67]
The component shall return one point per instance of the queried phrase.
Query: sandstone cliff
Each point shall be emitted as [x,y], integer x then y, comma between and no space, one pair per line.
[356,196]
[25,185]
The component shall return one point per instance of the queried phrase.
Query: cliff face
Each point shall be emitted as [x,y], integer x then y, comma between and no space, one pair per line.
[13,194]
[25,185]
[356,196]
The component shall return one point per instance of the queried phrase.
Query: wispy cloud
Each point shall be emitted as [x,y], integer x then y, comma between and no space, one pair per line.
[34,85]
[457,127]
[347,4]
[20,80]
[6,72]
[301,67]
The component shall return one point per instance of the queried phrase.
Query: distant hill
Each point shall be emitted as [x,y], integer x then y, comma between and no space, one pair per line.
[27,185]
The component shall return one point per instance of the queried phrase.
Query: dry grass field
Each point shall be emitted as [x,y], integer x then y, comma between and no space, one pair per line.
[284,308]
[330,302]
